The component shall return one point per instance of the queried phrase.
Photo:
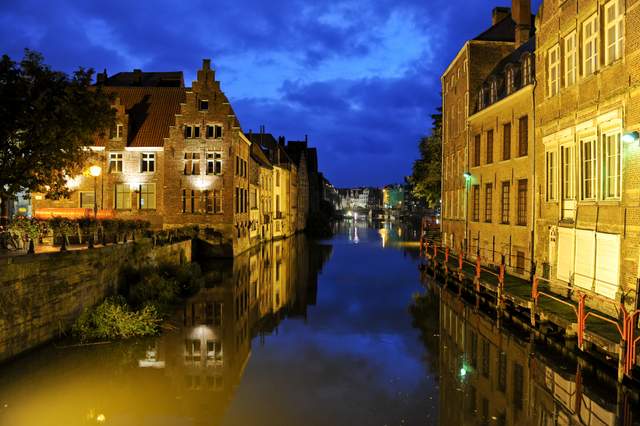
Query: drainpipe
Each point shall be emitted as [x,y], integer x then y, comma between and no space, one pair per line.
[534,186]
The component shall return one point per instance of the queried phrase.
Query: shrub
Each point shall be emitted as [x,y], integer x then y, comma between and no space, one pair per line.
[113,319]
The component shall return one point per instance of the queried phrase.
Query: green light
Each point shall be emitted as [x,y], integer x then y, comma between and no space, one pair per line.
[467,176]
[463,372]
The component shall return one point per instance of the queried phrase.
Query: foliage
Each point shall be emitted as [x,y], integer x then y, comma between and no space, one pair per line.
[62,226]
[26,229]
[113,319]
[46,119]
[427,170]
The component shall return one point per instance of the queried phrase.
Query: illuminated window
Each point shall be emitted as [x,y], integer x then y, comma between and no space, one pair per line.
[510,80]
[588,169]
[590,45]
[613,30]
[147,196]
[493,91]
[526,69]
[122,196]
[553,70]
[570,55]
[148,162]
[612,165]
[115,162]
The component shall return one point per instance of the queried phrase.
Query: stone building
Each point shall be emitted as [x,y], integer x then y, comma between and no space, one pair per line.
[467,77]
[587,108]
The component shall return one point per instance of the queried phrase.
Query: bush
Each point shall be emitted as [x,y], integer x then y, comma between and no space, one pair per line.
[113,319]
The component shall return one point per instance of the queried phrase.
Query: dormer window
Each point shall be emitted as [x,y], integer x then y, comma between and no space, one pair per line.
[511,83]
[204,104]
[116,131]
[493,91]
[481,97]
[526,70]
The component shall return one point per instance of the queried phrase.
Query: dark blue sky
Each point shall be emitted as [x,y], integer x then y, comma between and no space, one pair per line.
[360,77]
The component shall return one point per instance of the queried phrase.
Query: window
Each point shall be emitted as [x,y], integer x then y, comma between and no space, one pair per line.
[506,141]
[117,131]
[115,162]
[184,201]
[493,91]
[277,177]
[213,131]
[475,216]
[486,358]
[502,372]
[526,70]
[523,136]
[518,385]
[488,202]
[217,201]
[570,54]
[520,262]
[613,30]
[522,202]
[253,200]
[568,172]
[588,169]
[192,201]
[612,165]
[590,45]
[476,151]
[481,98]
[204,104]
[504,212]
[214,163]
[489,146]
[122,196]
[191,131]
[241,167]
[553,71]
[147,196]
[87,199]
[148,163]
[550,159]
[510,80]
[191,163]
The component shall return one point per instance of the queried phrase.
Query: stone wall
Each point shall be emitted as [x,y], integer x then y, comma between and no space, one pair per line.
[42,295]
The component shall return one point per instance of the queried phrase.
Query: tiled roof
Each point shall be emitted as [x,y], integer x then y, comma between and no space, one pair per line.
[138,78]
[259,156]
[151,111]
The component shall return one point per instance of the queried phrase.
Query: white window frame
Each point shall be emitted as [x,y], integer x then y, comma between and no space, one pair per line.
[553,70]
[611,161]
[590,45]
[148,159]
[591,164]
[551,166]
[124,196]
[116,159]
[214,159]
[570,56]
[613,31]
[567,172]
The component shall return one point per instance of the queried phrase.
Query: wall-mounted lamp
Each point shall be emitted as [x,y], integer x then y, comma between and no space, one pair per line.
[467,176]
[631,137]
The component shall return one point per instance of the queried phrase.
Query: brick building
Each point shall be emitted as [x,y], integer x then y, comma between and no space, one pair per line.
[177,156]
[463,81]
[588,84]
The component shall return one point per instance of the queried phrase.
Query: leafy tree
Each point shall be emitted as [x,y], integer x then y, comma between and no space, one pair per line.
[427,170]
[47,118]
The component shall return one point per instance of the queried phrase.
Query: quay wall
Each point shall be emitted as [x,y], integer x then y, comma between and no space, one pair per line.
[42,295]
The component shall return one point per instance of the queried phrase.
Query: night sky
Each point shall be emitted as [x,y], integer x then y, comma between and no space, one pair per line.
[360,77]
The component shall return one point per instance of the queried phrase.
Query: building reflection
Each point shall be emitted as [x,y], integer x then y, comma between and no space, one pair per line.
[205,356]
[492,375]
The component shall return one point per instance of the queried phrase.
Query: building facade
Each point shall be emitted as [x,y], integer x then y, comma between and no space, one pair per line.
[588,82]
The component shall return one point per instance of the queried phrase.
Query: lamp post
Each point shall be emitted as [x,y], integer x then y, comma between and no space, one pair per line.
[95,171]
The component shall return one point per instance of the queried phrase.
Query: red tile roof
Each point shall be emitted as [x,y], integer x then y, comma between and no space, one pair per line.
[151,111]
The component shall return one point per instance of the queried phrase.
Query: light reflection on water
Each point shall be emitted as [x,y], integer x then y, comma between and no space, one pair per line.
[294,333]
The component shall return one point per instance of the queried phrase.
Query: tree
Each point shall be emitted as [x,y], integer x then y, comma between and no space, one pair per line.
[47,118]
[427,170]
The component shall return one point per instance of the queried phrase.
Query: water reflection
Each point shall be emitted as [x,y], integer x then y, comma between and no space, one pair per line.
[499,375]
[190,373]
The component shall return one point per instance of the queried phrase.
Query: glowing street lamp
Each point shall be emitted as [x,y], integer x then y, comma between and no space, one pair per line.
[467,176]
[631,137]
[95,171]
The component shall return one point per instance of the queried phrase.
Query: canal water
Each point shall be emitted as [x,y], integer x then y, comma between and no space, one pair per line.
[338,332]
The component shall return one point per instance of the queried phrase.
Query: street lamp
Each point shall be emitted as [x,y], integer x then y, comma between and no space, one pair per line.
[95,171]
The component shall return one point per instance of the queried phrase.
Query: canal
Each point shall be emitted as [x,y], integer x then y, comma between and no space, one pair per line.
[338,332]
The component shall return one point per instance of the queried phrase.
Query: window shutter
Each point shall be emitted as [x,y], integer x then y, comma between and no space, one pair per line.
[607,264]
[584,273]
[565,254]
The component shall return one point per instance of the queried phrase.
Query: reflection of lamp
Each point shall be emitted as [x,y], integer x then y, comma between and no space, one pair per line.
[95,171]
[630,137]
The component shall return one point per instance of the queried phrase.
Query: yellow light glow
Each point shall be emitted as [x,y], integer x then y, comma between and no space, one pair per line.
[95,171]
[100,418]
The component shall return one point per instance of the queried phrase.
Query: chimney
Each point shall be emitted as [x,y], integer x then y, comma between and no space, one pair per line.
[101,78]
[206,64]
[281,140]
[522,17]
[499,13]
[137,76]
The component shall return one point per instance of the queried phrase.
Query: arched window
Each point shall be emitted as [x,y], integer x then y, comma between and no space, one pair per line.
[511,81]
[526,69]
[493,91]
[481,97]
